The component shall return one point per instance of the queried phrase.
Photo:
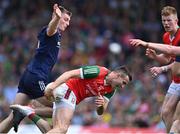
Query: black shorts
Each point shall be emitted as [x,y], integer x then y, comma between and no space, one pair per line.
[32,85]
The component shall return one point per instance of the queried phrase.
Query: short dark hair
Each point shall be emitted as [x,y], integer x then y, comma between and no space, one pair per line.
[64,10]
[125,70]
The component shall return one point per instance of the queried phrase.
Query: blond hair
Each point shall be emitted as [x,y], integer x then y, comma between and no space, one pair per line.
[168,10]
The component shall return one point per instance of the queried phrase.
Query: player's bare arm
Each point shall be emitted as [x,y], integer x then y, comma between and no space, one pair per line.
[167,49]
[53,24]
[60,80]
[151,53]
[161,58]
[155,71]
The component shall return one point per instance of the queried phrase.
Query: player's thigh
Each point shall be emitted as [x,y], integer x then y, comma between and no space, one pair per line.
[172,97]
[42,101]
[177,113]
[21,99]
[63,117]
[64,105]
[170,102]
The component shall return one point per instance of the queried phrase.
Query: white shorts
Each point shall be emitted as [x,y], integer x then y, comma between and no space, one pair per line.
[64,97]
[174,89]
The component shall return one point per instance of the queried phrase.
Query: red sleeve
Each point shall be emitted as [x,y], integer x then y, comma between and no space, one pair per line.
[103,70]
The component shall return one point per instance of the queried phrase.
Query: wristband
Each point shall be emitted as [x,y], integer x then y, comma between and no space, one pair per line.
[164,68]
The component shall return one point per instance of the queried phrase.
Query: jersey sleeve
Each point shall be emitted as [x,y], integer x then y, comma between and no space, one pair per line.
[89,72]
[108,96]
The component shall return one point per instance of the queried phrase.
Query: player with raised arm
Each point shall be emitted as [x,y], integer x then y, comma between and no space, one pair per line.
[35,77]
[73,86]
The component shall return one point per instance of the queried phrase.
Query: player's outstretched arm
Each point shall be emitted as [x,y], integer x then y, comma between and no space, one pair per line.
[53,24]
[164,48]
[155,71]
[161,58]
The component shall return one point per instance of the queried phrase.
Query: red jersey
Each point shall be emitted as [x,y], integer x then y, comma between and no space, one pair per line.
[175,42]
[88,87]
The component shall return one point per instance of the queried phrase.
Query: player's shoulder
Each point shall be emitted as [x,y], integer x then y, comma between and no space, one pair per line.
[178,33]
[166,37]
[103,70]
[42,30]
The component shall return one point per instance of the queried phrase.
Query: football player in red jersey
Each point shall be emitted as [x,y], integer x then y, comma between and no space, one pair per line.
[74,86]
[174,67]
[171,37]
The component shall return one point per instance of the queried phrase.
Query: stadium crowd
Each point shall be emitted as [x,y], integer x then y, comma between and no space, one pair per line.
[94,26]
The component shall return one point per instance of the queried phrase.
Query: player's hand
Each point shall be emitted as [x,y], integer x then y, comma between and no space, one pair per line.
[57,11]
[99,101]
[138,42]
[151,53]
[48,92]
[155,71]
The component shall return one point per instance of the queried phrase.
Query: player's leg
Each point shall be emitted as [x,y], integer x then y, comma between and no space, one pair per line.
[30,113]
[169,105]
[63,109]
[175,128]
[7,124]
[168,110]
[43,107]
[61,120]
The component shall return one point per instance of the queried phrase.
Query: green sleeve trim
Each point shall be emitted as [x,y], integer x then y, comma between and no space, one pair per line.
[108,96]
[89,72]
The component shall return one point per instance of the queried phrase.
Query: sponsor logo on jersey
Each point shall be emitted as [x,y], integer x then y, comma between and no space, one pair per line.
[58,44]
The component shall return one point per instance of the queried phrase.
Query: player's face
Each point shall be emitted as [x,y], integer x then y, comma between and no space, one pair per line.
[64,21]
[118,80]
[170,23]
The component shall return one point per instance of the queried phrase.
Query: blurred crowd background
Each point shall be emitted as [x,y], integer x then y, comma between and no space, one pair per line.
[95,25]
